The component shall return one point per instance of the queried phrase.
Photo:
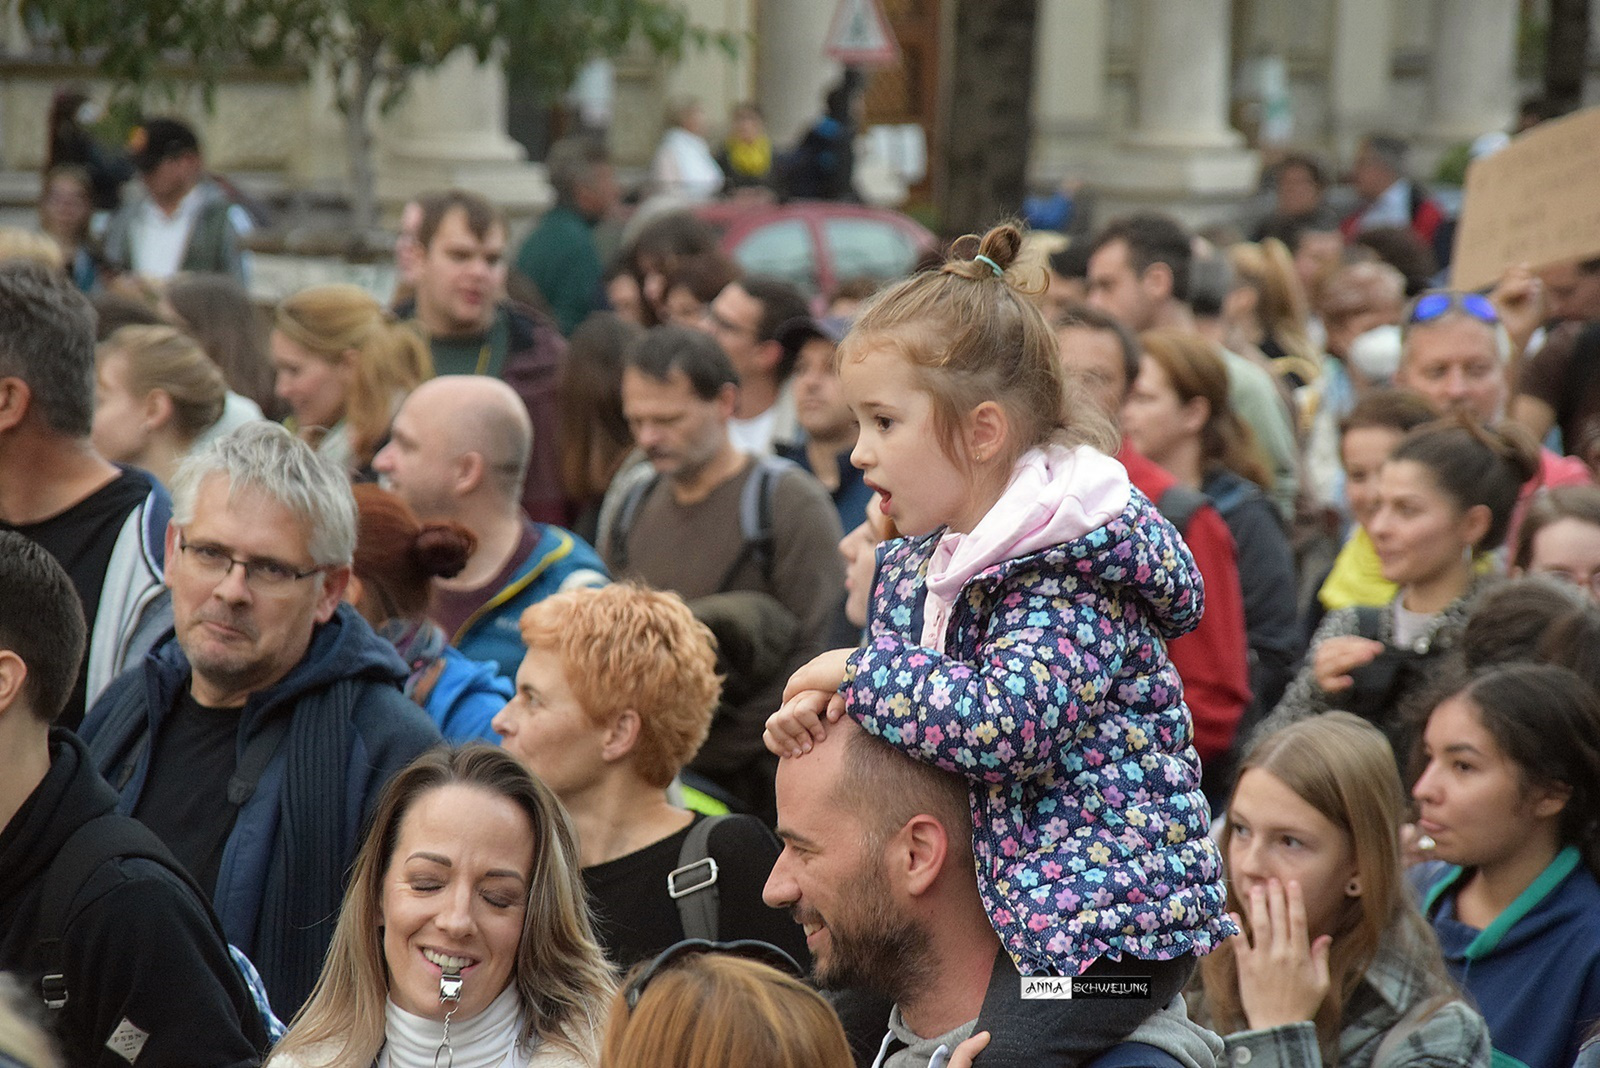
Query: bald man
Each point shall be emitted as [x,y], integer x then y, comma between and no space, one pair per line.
[459,450]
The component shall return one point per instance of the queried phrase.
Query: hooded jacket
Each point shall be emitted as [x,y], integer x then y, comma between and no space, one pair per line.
[139,952]
[1535,971]
[348,731]
[1053,696]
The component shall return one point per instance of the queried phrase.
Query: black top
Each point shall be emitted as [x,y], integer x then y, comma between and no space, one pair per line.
[140,952]
[635,919]
[185,799]
[81,539]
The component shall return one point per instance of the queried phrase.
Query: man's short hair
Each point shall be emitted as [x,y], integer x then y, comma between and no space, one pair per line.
[780,302]
[1080,316]
[1314,167]
[572,162]
[481,215]
[266,458]
[665,349]
[1389,149]
[1152,238]
[1072,261]
[47,340]
[885,789]
[162,139]
[41,620]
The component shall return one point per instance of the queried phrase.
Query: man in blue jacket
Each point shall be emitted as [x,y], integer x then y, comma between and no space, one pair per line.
[255,741]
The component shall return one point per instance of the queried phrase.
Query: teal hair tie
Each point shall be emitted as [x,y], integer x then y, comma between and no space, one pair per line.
[993,266]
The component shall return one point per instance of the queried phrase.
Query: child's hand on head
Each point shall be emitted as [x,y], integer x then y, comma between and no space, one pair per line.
[822,672]
[799,723]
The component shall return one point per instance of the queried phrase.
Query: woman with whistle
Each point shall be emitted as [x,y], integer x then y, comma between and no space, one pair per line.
[464,941]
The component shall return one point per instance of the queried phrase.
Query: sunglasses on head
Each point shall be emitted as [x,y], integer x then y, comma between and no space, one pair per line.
[1436,302]
[748,948]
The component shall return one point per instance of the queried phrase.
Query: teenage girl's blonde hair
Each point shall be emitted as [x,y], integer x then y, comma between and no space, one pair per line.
[160,357]
[972,334]
[562,980]
[390,359]
[1281,305]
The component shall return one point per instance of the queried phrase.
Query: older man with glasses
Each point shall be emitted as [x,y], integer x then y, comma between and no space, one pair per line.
[256,740]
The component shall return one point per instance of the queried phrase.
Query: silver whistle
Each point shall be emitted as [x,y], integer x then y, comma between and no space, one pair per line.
[450,986]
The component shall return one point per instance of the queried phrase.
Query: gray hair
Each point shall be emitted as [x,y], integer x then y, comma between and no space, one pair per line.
[47,340]
[267,458]
[572,162]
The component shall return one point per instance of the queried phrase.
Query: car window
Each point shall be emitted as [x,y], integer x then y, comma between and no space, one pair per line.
[780,250]
[868,248]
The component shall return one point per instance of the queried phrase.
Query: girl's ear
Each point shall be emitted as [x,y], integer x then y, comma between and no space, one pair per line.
[1547,802]
[1474,524]
[988,432]
[1195,413]
[157,408]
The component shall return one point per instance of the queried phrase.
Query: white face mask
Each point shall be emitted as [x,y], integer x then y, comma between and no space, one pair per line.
[89,113]
[1375,355]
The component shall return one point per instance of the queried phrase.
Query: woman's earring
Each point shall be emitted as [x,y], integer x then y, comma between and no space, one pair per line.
[1353,888]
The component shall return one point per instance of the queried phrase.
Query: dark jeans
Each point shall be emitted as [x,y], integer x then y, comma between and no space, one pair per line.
[1063,1034]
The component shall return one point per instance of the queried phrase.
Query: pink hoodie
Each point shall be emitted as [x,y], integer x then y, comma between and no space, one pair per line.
[1055,495]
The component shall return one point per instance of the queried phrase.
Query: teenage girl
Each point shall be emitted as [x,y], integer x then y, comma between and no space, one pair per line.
[1509,797]
[1017,637]
[1339,967]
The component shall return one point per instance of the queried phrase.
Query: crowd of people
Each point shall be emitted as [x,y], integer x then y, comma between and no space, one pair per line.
[620,659]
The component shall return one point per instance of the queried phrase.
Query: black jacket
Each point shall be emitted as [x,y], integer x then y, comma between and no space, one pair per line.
[140,953]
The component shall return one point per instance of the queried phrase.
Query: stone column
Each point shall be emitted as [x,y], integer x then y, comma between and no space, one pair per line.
[1472,76]
[450,132]
[1359,70]
[1182,155]
[1069,86]
[792,73]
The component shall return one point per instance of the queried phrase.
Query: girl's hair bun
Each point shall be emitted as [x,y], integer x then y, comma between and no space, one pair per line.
[998,249]
[442,549]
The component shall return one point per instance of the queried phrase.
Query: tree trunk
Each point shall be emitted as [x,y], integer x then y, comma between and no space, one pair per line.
[1566,57]
[988,116]
[355,102]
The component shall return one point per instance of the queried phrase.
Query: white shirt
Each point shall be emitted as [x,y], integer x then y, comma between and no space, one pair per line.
[158,240]
[685,167]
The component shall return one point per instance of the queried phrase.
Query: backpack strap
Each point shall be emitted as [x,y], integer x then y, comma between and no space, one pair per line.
[693,883]
[622,524]
[258,752]
[105,838]
[1179,504]
[1369,621]
[757,508]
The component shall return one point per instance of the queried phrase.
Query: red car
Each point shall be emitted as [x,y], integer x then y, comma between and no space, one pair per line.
[816,244]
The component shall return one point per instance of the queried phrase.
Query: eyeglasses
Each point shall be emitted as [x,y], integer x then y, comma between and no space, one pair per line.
[216,564]
[1436,302]
[747,948]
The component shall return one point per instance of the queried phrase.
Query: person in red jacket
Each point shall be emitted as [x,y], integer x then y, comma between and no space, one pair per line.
[1213,659]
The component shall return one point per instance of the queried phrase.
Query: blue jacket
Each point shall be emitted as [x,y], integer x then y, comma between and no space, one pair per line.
[560,561]
[283,870]
[465,697]
[1060,707]
[1535,971]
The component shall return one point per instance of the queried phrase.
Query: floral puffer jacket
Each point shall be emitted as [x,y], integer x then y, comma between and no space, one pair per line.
[1054,697]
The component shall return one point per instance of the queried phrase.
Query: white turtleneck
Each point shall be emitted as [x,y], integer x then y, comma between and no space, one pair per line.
[484,1041]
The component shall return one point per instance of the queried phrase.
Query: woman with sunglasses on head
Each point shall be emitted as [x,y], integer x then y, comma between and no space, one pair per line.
[1337,966]
[464,939]
[1509,799]
[1444,498]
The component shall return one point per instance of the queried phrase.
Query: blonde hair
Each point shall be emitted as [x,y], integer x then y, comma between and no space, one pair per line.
[560,974]
[391,359]
[1342,766]
[972,334]
[626,646]
[164,358]
[1281,305]
[19,244]
[709,1010]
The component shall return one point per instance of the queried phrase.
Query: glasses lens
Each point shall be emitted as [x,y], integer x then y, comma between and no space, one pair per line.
[1480,307]
[1430,306]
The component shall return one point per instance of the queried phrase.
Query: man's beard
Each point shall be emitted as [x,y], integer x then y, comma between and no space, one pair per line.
[877,949]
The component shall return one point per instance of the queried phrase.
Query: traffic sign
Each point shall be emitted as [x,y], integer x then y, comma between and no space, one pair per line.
[860,35]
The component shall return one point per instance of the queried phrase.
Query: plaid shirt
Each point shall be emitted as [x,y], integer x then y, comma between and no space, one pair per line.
[1453,1037]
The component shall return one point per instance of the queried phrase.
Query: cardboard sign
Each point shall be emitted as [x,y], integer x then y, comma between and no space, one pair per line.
[1536,201]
